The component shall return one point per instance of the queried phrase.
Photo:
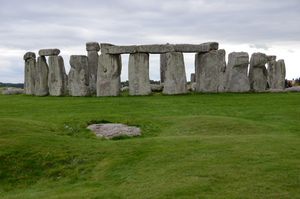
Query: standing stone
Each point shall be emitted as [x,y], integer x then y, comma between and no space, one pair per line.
[92,49]
[41,77]
[138,74]
[108,75]
[276,74]
[258,72]
[236,73]
[175,76]
[193,78]
[57,78]
[163,65]
[29,73]
[210,68]
[271,71]
[78,79]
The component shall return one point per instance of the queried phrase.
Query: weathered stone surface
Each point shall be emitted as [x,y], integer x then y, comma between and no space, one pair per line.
[236,72]
[276,74]
[49,52]
[156,48]
[57,78]
[108,75]
[125,88]
[13,91]
[293,89]
[271,58]
[112,130]
[163,65]
[193,86]
[41,77]
[258,72]
[92,46]
[205,47]
[138,74]
[193,78]
[175,76]
[112,49]
[78,79]
[210,68]
[157,88]
[29,74]
[93,68]
[29,55]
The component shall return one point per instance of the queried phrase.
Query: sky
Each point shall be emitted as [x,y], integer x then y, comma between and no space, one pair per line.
[267,26]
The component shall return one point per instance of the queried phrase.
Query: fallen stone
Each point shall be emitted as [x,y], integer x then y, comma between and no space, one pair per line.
[258,72]
[92,46]
[236,73]
[41,77]
[108,75]
[57,78]
[125,88]
[29,55]
[78,80]
[111,130]
[157,88]
[13,91]
[175,76]
[293,89]
[49,52]
[138,74]
[210,69]
[29,74]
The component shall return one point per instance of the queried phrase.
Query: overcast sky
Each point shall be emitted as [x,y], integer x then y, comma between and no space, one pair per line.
[267,26]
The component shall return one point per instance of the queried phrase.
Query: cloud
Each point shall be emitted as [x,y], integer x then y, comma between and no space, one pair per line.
[261,46]
[291,51]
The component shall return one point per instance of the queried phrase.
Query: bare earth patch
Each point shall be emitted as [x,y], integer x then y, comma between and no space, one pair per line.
[112,130]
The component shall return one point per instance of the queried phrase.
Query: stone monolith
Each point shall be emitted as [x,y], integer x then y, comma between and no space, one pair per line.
[175,76]
[236,73]
[138,74]
[276,74]
[193,78]
[163,65]
[258,72]
[92,49]
[210,68]
[57,78]
[78,79]
[29,73]
[108,75]
[41,77]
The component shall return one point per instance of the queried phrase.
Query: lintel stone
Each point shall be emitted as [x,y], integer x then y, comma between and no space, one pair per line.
[92,46]
[271,58]
[49,52]
[29,55]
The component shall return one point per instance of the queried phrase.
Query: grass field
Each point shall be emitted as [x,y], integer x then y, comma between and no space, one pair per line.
[193,146]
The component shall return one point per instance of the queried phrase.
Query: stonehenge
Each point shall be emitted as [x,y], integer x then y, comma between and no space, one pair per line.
[99,74]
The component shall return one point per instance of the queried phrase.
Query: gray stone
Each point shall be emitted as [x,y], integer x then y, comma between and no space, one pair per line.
[271,58]
[93,68]
[193,86]
[293,89]
[156,48]
[276,74]
[13,91]
[175,76]
[157,88]
[138,74]
[163,65]
[57,78]
[49,52]
[236,72]
[29,55]
[112,49]
[205,47]
[258,72]
[112,130]
[193,78]
[78,80]
[41,77]
[92,46]
[108,75]
[210,69]
[276,91]
[29,73]
[125,88]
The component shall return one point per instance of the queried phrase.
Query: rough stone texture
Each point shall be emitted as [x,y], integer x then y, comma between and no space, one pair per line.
[108,75]
[138,74]
[125,88]
[29,55]
[271,58]
[258,72]
[175,76]
[193,86]
[29,74]
[157,88]
[93,68]
[78,79]
[112,130]
[293,89]
[159,48]
[13,91]
[57,78]
[276,74]
[210,69]
[41,77]
[163,65]
[236,72]
[193,78]
[49,52]
[92,46]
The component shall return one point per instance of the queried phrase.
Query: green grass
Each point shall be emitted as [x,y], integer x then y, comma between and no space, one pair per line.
[193,146]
